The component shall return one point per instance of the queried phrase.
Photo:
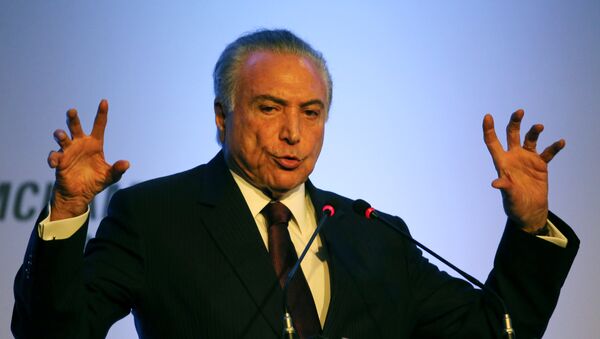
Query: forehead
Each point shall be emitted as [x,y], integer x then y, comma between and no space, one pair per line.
[281,74]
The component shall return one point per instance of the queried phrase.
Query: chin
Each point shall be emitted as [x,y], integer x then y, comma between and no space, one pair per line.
[285,186]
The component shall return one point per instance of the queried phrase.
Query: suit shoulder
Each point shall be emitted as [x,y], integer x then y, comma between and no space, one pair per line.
[346,204]
[178,182]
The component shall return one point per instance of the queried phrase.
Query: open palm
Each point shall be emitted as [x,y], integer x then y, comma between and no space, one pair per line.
[522,172]
[81,168]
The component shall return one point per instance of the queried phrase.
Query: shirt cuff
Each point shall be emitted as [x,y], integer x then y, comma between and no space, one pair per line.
[554,235]
[61,229]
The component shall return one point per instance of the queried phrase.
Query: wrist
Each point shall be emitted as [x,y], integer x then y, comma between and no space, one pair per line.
[534,223]
[61,208]
[542,231]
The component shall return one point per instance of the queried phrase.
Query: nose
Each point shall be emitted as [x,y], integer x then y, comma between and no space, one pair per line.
[291,128]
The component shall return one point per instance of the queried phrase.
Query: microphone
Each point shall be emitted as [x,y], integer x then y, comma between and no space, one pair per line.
[288,327]
[364,208]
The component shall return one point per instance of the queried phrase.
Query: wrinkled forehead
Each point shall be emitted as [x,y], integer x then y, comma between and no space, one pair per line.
[271,72]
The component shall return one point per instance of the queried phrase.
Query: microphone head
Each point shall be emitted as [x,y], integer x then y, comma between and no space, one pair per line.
[363,208]
[328,209]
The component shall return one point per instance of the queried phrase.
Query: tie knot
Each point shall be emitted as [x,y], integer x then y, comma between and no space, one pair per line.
[277,213]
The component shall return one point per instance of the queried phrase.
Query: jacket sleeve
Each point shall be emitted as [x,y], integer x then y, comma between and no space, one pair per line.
[60,292]
[528,274]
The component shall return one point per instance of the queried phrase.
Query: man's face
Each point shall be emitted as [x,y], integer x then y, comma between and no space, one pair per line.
[274,135]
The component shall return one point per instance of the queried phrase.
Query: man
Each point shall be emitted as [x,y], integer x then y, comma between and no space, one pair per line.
[195,254]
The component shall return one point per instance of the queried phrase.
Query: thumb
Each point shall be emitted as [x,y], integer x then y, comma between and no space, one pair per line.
[501,183]
[117,170]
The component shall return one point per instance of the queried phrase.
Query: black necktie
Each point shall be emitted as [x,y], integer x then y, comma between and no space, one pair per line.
[283,255]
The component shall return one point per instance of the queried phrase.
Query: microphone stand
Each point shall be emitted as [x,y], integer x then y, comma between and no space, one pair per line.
[289,332]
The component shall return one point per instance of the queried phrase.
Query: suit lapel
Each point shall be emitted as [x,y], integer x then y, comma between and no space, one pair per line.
[228,219]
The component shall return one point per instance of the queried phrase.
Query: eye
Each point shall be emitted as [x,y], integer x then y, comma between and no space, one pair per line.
[268,109]
[312,113]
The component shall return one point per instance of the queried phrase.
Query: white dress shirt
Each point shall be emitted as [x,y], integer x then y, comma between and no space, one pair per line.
[301,227]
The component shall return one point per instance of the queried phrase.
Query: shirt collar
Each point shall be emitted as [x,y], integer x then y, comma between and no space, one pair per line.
[256,200]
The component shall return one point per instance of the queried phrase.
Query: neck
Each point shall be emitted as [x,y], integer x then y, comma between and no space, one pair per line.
[270,193]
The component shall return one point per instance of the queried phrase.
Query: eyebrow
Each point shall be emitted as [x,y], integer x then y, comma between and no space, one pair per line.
[285,102]
[271,98]
[313,102]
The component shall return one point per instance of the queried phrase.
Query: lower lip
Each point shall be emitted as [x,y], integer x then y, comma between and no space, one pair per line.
[288,164]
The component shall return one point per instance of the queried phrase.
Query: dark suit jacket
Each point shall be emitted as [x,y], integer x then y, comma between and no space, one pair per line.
[184,255]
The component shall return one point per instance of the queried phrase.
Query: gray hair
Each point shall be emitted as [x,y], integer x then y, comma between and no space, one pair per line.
[225,74]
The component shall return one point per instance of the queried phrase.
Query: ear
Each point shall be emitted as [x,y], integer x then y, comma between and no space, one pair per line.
[220,121]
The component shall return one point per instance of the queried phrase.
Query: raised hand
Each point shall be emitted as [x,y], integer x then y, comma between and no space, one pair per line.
[81,169]
[522,172]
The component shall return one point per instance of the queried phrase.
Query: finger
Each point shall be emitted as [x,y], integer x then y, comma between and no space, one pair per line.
[513,129]
[501,183]
[530,142]
[490,138]
[118,169]
[74,124]
[62,139]
[100,120]
[552,150]
[54,158]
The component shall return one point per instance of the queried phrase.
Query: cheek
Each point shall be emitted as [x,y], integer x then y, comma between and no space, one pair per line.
[240,132]
[319,136]
[251,141]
